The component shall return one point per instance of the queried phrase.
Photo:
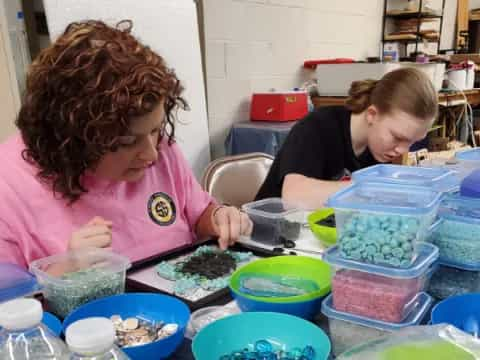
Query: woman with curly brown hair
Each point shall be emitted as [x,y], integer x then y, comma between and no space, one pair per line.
[96,163]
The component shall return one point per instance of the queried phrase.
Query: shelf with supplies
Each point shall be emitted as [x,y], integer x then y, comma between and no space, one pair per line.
[404,14]
[407,25]
[410,40]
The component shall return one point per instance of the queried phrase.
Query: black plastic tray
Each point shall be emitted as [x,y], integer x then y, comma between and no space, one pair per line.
[219,297]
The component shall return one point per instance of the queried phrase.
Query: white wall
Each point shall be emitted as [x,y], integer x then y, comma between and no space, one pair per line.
[255,45]
[9,92]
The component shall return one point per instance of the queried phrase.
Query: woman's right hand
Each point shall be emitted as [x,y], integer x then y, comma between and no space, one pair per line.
[96,233]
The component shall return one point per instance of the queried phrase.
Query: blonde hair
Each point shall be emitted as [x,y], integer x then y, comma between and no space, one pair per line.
[407,89]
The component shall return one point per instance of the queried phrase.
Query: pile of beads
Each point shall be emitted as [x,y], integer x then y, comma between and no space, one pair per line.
[458,242]
[207,268]
[380,239]
[264,350]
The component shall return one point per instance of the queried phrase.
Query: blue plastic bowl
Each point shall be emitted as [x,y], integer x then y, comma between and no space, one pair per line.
[459,311]
[237,332]
[304,309]
[52,322]
[156,307]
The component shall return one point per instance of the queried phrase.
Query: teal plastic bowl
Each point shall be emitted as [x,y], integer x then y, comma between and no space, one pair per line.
[241,331]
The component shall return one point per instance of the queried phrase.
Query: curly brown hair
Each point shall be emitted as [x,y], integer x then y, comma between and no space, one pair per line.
[83,92]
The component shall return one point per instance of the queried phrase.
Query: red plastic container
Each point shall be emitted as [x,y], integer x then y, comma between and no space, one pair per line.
[279,106]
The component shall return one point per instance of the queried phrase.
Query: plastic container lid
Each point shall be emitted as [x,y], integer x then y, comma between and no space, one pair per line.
[468,155]
[460,208]
[20,314]
[389,198]
[427,255]
[460,265]
[274,208]
[52,268]
[437,178]
[90,336]
[470,186]
[15,282]
[424,302]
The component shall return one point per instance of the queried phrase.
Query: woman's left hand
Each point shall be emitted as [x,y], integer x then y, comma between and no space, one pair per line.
[230,223]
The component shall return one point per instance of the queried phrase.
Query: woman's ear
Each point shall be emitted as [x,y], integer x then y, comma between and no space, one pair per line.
[371,114]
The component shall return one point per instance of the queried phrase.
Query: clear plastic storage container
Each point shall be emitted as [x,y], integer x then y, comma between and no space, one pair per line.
[383,223]
[72,279]
[456,234]
[15,282]
[347,330]
[23,337]
[274,220]
[93,339]
[437,178]
[447,282]
[380,293]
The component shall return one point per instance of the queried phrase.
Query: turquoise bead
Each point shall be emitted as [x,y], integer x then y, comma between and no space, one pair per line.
[386,250]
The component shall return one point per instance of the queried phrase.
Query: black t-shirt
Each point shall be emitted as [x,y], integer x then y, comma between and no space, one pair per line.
[320,147]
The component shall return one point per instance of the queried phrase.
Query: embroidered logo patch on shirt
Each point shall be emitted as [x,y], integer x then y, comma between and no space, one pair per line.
[161,209]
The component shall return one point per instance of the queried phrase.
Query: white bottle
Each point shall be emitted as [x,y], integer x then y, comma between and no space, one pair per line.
[93,339]
[23,337]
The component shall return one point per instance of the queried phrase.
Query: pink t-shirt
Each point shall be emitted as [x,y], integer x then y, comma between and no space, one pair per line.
[151,216]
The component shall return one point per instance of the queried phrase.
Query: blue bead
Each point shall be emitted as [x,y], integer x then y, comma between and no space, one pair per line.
[296,353]
[237,355]
[263,346]
[309,353]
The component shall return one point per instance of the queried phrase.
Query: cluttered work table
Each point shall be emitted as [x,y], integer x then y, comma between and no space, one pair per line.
[369,267]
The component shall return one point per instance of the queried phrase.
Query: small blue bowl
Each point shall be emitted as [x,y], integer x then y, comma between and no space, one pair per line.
[461,311]
[156,307]
[52,322]
[241,331]
[304,309]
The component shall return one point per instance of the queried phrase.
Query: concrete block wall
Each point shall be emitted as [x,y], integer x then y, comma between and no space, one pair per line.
[256,45]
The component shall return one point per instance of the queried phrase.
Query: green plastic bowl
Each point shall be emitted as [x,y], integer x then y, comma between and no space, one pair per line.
[295,266]
[327,235]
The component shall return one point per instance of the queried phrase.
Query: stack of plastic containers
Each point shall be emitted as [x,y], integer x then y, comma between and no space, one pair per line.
[456,234]
[382,262]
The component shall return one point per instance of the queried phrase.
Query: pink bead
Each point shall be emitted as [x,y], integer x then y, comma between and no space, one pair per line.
[374,296]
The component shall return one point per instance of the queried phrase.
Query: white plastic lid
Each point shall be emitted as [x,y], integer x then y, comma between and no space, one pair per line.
[20,314]
[95,335]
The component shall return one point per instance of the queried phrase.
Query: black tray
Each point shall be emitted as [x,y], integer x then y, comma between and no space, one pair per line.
[219,297]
